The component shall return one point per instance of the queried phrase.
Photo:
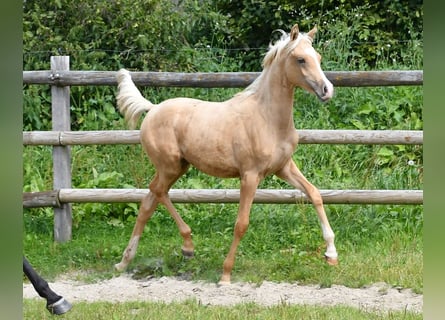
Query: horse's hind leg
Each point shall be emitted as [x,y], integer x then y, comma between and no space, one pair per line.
[159,187]
[166,180]
[146,210]
[293,175]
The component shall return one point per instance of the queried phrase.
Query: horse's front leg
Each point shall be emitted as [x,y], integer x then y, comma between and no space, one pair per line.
[293,175]
[249,184]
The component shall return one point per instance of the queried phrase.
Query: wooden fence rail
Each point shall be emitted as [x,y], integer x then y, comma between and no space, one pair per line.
[66,138]
[284,196]
[60,78]
[215,79]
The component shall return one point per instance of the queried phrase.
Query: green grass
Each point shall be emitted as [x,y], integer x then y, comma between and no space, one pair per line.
[35,309]
[284,245]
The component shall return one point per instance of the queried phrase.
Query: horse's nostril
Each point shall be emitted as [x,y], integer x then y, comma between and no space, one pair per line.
[325,89]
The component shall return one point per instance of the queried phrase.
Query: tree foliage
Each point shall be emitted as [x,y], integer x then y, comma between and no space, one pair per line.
[370,24]
[147,34]
[164,35]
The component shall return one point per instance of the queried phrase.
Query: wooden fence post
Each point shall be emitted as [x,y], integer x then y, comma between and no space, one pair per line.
[61,120]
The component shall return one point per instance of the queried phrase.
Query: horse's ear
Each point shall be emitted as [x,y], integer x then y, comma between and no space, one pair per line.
[312,33]
[294,32]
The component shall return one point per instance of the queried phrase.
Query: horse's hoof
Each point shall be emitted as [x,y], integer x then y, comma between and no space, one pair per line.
[223,283]
[119,267]
[59,307]
[188,254]
[331,261]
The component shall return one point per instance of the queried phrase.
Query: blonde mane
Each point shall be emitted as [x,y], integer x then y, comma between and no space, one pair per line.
[282,45]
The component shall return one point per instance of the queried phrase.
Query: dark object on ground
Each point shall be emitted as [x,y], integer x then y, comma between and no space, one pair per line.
[54,303]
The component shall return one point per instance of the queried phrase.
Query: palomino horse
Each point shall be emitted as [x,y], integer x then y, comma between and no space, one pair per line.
[250,136]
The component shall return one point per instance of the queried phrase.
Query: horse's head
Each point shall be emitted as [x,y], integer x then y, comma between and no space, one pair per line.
[302,65]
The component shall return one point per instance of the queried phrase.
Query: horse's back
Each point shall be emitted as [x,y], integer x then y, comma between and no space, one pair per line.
[194,130]
[184,114]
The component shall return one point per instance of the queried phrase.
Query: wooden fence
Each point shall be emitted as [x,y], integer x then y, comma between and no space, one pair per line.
[61,138]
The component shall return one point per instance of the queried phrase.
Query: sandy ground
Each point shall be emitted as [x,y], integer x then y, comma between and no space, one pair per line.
[378,297]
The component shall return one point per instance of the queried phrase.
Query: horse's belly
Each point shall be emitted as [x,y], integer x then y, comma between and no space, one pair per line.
[214,165]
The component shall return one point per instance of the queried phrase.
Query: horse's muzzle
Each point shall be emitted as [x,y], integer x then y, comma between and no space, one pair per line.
[325,91]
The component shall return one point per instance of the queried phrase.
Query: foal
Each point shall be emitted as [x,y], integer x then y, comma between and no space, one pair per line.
[250,136]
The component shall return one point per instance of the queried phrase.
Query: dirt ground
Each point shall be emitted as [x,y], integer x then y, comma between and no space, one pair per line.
[378,297]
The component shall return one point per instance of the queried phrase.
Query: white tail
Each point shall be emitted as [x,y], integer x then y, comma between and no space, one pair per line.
[130,102]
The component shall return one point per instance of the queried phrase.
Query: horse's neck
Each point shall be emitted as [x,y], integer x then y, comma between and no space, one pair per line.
[275,97]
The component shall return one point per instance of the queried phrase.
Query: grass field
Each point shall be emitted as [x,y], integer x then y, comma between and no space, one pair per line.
[34,309]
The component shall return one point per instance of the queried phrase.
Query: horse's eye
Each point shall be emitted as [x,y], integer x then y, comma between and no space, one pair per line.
[301,60]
